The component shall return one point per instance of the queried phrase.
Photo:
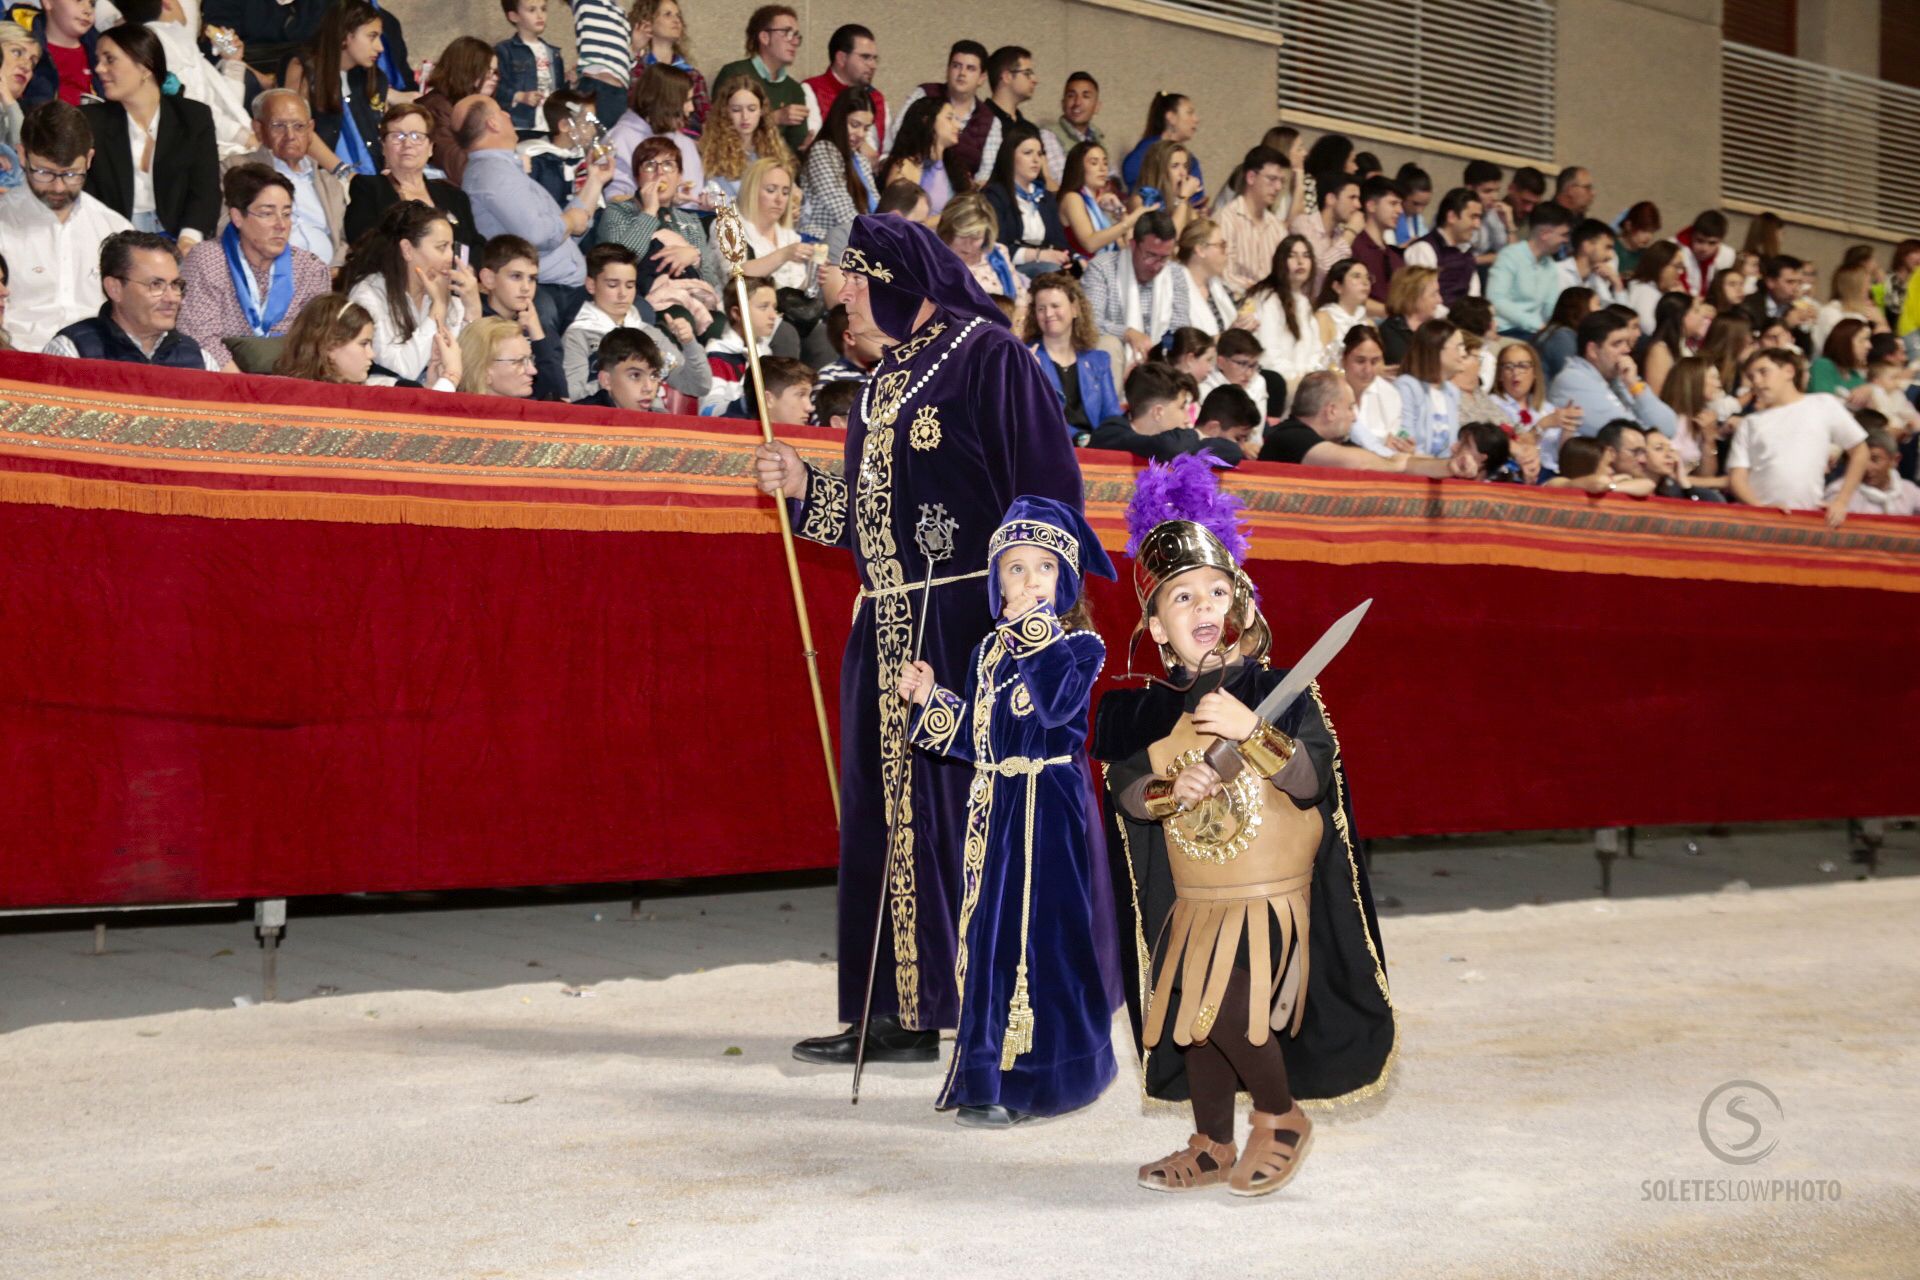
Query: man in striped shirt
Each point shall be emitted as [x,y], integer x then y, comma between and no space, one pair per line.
[604,39]
[1248,221]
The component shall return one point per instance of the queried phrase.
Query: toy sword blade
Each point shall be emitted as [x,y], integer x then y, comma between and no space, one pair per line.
[1222,756]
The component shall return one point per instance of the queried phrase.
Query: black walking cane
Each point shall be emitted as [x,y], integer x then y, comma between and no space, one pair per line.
[934,536]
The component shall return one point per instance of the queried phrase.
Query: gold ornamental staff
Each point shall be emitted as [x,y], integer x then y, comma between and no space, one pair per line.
[729,234]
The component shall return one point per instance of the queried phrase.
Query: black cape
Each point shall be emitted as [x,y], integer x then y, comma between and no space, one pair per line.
[1346,1038]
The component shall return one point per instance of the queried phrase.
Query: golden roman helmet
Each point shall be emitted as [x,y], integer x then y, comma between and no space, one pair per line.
[1174,547]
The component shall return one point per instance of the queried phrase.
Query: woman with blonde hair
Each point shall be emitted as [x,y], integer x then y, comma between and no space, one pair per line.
[1520,393]
[1168,169]
[19,55]
[497,359]
[767,209]
[968,227]
[1203,257]
[1413,299]
[742,132]
[1852,300]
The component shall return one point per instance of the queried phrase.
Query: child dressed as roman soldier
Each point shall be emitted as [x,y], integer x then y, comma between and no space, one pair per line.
[1251,915]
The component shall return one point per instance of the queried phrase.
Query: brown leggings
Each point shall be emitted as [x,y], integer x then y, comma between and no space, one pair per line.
[1216,1069]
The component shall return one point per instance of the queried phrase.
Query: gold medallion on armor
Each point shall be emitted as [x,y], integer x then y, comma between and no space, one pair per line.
[1219,828]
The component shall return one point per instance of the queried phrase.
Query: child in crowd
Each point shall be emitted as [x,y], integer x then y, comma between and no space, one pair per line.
[1265,968]
[331,340]
[1236,363]
[1038,966]
[1883,491]
[1191,351]
[1587,464]
[833,403]
[1889,381]
[556,157]
[65,27]
[530,69]
[1158,418]
[348,90]
[603,41]
[727,354]
[1228,414]
[1481,452]
[789,391]
[629,373]
[509,279]
[613,273]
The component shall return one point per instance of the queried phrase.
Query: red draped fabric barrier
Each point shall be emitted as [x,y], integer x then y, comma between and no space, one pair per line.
[259,641]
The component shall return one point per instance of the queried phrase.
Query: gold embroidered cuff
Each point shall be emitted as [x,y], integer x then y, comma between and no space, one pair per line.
[1267,750]
[939,722]
[1030,632]
[823,512]
[1158,799]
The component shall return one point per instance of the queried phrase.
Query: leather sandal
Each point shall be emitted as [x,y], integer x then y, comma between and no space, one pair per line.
[1182,1171]
[1270,1161]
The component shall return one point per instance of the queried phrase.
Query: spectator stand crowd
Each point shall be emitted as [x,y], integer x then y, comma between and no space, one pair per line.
[272,187]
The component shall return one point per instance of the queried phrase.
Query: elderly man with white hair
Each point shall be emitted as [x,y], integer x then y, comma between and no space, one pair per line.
[283,125]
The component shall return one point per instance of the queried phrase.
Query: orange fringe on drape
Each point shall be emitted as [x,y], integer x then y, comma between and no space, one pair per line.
[350,508]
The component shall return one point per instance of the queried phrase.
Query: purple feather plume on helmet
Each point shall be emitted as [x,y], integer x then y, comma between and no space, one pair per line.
[1186,489]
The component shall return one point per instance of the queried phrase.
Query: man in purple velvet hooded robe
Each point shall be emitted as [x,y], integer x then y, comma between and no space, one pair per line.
[958,414]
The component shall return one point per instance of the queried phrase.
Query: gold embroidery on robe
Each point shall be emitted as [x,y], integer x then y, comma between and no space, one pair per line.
[924,434]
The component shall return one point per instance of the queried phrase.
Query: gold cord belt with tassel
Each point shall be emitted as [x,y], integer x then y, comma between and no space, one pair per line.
[1019,1037]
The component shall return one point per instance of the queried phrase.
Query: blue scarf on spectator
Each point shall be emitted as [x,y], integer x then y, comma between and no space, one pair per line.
[279,284]
[997,259]
[353,147]
[865,175]
[1095,214]
[390,66]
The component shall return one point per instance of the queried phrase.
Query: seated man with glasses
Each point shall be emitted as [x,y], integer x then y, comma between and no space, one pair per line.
[773,46]
[52,231]
[136,326]
[250,281]
[284,125]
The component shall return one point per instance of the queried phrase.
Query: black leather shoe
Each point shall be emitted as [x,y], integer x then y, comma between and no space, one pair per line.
[887,1041]
[991,1116]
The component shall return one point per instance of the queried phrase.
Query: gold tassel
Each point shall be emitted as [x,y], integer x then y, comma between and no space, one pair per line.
[1019,1038]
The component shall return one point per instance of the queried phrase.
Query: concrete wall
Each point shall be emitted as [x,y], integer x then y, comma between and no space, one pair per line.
[1638,80]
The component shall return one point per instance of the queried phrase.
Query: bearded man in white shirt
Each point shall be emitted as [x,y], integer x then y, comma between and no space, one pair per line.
[53,229]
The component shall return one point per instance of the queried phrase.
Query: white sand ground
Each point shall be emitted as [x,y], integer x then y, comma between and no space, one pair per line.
[1554,1061]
